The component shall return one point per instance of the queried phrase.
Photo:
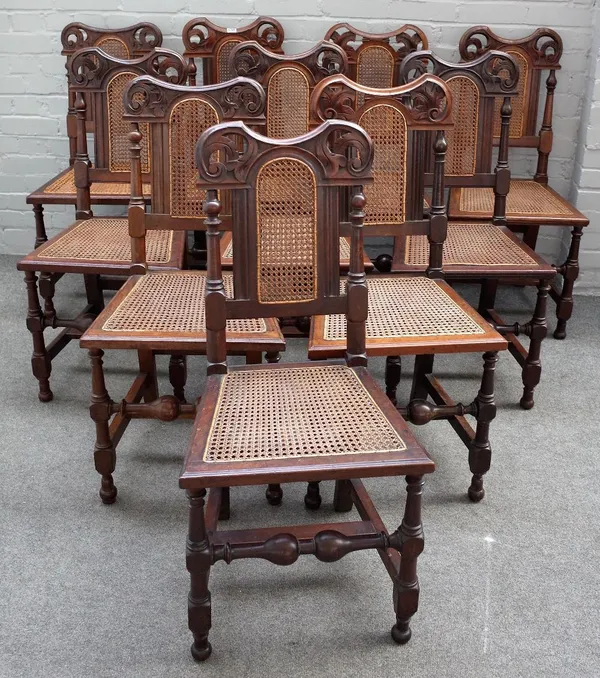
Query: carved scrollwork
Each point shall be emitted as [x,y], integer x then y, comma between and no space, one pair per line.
[494,72]
[140,38]
[543,46]
[245,99]
[403,41]
[226,153]
[428,103]
[337,102]
[200,36]
[167,66]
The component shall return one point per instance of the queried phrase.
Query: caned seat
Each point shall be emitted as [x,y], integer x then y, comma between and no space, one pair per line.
[527,200]
[163,309]
[408,314]
[326,414]
[103,243]
[474,247]
[227,254]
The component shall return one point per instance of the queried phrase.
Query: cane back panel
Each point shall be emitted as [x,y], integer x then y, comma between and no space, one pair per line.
[534,53]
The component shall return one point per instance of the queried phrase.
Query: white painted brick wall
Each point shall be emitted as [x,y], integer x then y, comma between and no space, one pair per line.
[33,86]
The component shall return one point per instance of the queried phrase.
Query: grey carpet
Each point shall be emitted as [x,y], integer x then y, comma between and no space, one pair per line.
[510,587]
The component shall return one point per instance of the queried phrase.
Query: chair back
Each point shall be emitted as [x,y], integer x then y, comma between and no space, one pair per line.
[282,271]
[288,81]
[539,51]
[213,44]
[172,117]
[374,58]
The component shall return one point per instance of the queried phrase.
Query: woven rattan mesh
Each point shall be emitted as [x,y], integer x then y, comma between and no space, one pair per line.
[119,129]
[375,67]
[288,95]
[386,195]
[524,197]
[65,185]
[470,244]
[224,70]
[344,250]
[300,412]
[189,118]
[115,47]
[286,215]
[107,239]
[519,102]
[402,307]
[172,302]
[461,155]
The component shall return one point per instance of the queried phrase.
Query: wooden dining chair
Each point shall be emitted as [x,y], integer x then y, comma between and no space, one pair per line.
[531,203]
[125,43]
[158,311]
[96,247]
[485,251]
[212,44]
[295,422]
[418,315]
[288,82]
[374,58]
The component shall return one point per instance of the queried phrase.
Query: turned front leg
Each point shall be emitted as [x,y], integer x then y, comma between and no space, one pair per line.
[532,370]
[406,584]
[41,365]
[570,273]
[40,228]
[100,411]
[178,376]
[480,450]
[393,372]
[198,557]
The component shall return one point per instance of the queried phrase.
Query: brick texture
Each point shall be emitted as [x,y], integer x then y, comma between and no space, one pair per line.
[33,87]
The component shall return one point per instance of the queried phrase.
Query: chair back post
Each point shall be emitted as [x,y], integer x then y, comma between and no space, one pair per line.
[81,162]
[502,184]
[438,216]
[546,134]
[356,286]
[136,211]
[215,301]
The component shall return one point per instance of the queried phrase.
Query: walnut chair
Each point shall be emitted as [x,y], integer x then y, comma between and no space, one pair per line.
[374,58]
[484,251]
[288,82]
[163,312]
[418,315]
[96,247]
[202,39]
[125,43]
[531,203]
[296,422]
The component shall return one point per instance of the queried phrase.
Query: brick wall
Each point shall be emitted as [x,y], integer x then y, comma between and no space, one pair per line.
[33,143]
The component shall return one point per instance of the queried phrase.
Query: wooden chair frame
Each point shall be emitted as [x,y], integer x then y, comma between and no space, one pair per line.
[325,151]
[496,75]
[357,44]
[538,52]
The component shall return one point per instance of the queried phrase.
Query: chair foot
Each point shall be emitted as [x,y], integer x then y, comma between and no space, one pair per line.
[273,356]
[312,498]
[108,491]
[561,330]
[476,492]
[383,263]
[401,633]
[201,651]
[45,394]
[527,402]
[274,494]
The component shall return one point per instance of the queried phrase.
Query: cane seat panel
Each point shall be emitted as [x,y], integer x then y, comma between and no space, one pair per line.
[64,184]
[105,239]
[518,119]
[461,156]
[474,244]
[298,412]
[288,96]
[526,198]
[375,67]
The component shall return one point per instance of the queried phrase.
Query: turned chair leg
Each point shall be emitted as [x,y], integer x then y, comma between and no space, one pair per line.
[94,293]
[41,364]
[272,356]
[147,363]
[480,450]
[198,565]
[532,370]
[423,367]
[274,494]
[312,498]
[487,296]
[47,287]
[570,273]
[225,510]
[393,372]
[100,410]
[342,497]
[178,376]
[406,584]
[40,228]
